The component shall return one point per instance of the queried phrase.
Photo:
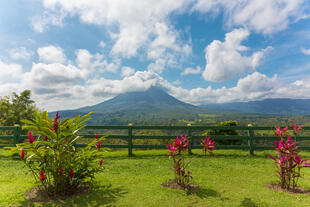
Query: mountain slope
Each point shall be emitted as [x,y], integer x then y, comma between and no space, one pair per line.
[153,103]
[279,106]
[154,99]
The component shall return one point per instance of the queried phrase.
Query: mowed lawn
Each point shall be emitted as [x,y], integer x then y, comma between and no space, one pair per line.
[230,178]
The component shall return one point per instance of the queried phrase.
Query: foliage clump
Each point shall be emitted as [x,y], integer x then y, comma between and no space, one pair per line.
[53,158]
[211,132]
[15,108]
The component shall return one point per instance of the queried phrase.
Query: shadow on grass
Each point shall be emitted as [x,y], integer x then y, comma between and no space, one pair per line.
[98,196]
[10,157]
[146,156]
[206,192]
[247,202]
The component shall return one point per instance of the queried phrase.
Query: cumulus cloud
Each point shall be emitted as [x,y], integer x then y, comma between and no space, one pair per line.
[139,81]
[305,51]
[42,21]
[12,70]
[255,86]
[190,70]
[225,60]
[266,16]
[20,53]
[139,22]
[83,59]
[51,54]
[51,75]
[167,49]
[127,71]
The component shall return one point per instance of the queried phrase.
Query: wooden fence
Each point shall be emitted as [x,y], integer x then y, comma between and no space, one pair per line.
[250,136]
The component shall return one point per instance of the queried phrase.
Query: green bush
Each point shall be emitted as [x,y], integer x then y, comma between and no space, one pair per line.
[224,132]
[53,159]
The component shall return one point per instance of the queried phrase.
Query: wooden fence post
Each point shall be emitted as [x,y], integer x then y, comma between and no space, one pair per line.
[250,139]
[129,140]
[16,134]
[189,134]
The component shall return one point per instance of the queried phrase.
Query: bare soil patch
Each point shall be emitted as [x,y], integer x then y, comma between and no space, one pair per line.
[39,194]
[277,187]
[174,185]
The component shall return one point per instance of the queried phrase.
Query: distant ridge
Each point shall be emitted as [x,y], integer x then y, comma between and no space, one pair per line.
[277,106]
[156,104]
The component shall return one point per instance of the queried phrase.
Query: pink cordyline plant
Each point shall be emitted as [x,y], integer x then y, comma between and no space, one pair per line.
[182,176]
[287,160]
[208,145]
[181,144]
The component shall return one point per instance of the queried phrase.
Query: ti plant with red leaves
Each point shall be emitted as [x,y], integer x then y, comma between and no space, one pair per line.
[287,160]
[182,176]
[208,145]
[53,158]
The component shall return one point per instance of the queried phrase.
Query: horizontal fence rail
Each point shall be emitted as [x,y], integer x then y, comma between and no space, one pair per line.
[17,137]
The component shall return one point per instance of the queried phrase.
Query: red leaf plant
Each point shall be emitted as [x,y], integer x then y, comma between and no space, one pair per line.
[30,138]
[208,145]
[42,176]
[176,152]
[287,160]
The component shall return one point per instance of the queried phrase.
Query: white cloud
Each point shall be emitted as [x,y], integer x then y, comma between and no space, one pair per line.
[51,54]
[167,49]
[305,51]
[158,66]
[266,16]
[102,44]
[225,60]
[20,53]
[84,58]
[51,75]
[127,71]
[141,80]
[42,21]
[189,71]
[255,86]
[176,82]
[137,21]
[8,71]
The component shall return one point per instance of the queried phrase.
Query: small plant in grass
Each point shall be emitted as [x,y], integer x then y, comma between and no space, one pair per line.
[182,176]
[53,158]
[208,145]
[287,160]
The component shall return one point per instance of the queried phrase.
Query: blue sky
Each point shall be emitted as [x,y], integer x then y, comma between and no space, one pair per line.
[77,53]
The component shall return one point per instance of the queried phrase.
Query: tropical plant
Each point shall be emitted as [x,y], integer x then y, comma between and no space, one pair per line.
[208,145]
[287,160]
[53,158]
[182,176]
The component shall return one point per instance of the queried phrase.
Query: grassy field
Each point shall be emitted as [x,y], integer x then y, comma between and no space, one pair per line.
[231,178]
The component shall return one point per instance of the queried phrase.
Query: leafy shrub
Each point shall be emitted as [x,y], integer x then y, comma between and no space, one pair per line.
[53,159]
[287,161]
[211,132]
[176,152]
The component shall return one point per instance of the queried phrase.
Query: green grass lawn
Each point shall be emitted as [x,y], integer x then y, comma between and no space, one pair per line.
[231,178]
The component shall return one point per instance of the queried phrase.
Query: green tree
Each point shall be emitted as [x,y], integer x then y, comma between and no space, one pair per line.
[16,107]
[224,132]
